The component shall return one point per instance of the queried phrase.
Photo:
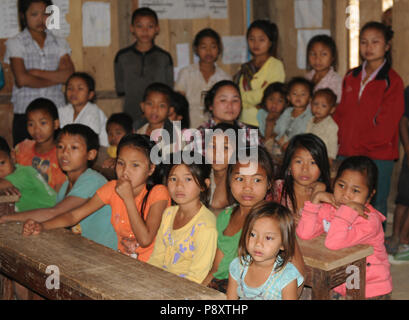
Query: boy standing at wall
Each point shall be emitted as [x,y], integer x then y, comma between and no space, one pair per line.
[141,64]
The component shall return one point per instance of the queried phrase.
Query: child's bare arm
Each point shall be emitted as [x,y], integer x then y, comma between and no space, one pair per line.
[64,71]
[218,257]
[290,291]
[5,184]
[23,78]
[232,289]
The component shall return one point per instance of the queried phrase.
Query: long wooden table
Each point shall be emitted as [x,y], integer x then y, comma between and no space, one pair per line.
[88,270]
[327,269]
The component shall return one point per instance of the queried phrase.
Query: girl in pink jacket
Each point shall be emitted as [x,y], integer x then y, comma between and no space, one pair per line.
[348,219]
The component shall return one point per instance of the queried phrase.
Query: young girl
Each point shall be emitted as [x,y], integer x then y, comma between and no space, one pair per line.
[41,152]
[263,69]
[348,220]
[40,63]
[136,202]
[263,270]
[187,238]
[322,59]
[378,92]
[80,93]
[249,183]
[305,168]
[198,78]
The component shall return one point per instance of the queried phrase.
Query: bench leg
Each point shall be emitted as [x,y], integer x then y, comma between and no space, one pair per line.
[6,288]
[359,294]
[320,285]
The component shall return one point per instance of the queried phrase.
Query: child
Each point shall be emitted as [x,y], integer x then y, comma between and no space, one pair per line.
[294,120]
[77,148]
[80,93]
[262,270]
[263,69]
[377,91]
[39,60]
[348,220]
[305,168]
[141,64]
[249,183]
[43,126]
[187,238]
[179,110]
[136,202]
[271,107]
[34,191]
[322,125]
[321,63]
[197,78]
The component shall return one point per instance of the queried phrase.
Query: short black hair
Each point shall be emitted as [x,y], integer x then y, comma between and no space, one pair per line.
[89,80]
[144,12]
[207,33]
[43,104]
[302,81]
[24,5]
[123,119]
[4,146]
[159,87]
[329,94]
[181,106]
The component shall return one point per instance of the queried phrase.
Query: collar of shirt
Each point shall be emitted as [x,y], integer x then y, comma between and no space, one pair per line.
[373,75]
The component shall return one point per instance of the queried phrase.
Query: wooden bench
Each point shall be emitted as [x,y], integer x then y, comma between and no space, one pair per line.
[327,269]
[88,270]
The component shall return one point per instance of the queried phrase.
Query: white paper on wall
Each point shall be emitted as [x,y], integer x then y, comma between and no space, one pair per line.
[96,24]
[304,37]
[9,26]
[308,13]
[234,49]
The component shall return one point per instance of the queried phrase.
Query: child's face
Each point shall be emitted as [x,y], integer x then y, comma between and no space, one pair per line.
[226,105]
[208,50]
[78,93]
[303,167]
[115,133]
[41,126]
[258,42]
[264,241]
[275,103]
[219,151]
[144,28]
[182,186]
[72,153]
[299,96]
[156,108]
[6,165]
[133,165]
[320,57]
[320,107]
[248,189]
[351,186]
[372,45]
[36,17]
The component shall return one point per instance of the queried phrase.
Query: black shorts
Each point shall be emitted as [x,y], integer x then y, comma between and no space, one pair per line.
[403,184]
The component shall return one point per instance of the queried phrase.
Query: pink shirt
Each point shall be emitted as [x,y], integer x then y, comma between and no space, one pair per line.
[332,80]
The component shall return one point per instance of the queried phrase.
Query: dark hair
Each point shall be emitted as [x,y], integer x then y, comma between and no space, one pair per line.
[271,31]
[326,41]
[90,137]
[363,165]
[329,94]
[385,30]
[300,81]
[316,147]
[210,95]
[159,87]
[123,119]
[279,87]
[200,171]
[89,80]
[264,160]
[24,5]
[4,146]
[181,106]
[207,33]
[144,12]
[285,219]
[45,105]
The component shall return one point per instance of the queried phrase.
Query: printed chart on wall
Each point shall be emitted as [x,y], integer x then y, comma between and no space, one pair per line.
[188,9]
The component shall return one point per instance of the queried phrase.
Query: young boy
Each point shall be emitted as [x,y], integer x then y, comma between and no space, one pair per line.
[294,120]
[322,125]
[141,64]
[34,191]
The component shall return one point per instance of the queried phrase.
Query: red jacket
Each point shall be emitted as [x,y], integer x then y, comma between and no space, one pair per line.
[369,126]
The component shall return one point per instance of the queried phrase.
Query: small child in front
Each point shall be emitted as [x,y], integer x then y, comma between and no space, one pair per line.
[348,219]
[263,270]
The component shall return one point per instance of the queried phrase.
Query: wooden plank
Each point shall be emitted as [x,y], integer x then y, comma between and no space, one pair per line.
[88,270]
[316,255]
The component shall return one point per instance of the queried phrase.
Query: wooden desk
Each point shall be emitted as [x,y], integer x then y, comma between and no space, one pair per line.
[326,269]
[88,270]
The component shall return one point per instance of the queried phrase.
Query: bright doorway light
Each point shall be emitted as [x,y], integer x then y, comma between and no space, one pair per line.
[353,26]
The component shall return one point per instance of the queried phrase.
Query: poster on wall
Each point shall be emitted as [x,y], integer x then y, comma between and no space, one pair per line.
[188,9]
[9,26]
[308,13]
[234,50]
[96,24]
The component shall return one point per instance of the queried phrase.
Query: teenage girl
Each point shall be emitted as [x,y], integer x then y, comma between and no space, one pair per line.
[263,270]
[263,69]
[348,219]
[322,61]
[187,238]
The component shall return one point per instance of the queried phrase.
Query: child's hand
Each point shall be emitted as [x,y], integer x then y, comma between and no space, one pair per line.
[124,189]
[324,197]
[317,187]
[358,207]
[109,163]
[272,116]
[130,245]
[12,191]
[32,227]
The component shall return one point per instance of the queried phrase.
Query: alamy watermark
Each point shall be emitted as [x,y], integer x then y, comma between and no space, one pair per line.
[53,21]
[53,281]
